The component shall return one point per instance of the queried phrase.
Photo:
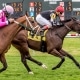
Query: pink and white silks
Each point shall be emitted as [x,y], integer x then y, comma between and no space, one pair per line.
[3,19]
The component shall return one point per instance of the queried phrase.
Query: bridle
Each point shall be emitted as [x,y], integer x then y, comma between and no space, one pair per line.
[32,27]
[77,21]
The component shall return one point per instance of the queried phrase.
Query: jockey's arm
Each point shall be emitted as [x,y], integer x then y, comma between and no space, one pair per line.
[2,24]
[7,22]
[52,20]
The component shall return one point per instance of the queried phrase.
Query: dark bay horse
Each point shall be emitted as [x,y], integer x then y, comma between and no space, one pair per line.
[52,45]
[7,34]
[54,41]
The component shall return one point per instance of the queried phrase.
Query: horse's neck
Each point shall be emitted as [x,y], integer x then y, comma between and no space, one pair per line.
[12,28]
[62,31]
[8,33]
[21,19]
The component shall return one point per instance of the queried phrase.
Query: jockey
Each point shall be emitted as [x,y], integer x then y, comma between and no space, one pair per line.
[48,18]
[4,14]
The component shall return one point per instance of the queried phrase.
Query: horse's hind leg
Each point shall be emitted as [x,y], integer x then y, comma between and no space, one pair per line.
[57,54]
[26,56]
[64,53]
[35,61]
[24,61]
[3,61]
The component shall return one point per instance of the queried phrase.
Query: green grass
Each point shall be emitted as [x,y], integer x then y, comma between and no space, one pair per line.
[68,71]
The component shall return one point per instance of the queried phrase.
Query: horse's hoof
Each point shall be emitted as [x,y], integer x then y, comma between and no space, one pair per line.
[31,72]
[79,66]
[54,68]
[44,66]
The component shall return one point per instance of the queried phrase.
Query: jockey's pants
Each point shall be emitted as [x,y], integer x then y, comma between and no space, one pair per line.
[42,21]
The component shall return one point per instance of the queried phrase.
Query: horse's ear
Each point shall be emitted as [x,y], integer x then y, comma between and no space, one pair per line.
[27,14]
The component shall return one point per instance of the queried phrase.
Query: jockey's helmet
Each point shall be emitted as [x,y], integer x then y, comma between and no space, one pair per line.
[9,9]
[59,9]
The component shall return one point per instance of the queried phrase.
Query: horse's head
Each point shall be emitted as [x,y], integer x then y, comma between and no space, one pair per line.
[31,23]
[73,25]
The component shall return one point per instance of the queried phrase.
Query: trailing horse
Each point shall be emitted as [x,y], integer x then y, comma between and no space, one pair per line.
[7,34]
[20,43]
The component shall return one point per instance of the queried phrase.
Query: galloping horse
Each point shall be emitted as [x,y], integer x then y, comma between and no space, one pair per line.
[52,45]
[20,43]
[54,41]
[7,34]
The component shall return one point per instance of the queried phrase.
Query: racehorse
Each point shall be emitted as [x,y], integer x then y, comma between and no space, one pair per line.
[20,43]
[7,34]
[54,41]
[52,44]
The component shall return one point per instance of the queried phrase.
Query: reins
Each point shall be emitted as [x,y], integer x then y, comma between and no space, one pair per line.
[68,27]
[29,22]
[22,25]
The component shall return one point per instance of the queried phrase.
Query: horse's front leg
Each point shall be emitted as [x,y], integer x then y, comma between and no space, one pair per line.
[64,53]
[57,54]
[3,61]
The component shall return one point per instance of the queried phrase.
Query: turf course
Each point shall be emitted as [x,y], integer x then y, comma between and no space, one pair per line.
[68,71]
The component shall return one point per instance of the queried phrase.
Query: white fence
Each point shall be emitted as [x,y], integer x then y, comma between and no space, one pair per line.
[73,35]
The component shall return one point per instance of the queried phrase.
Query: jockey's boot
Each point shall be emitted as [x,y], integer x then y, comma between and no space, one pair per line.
[45,27]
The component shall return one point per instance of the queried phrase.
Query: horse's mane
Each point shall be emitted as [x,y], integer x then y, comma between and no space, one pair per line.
[74,18]
[64,21]
[67,20]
